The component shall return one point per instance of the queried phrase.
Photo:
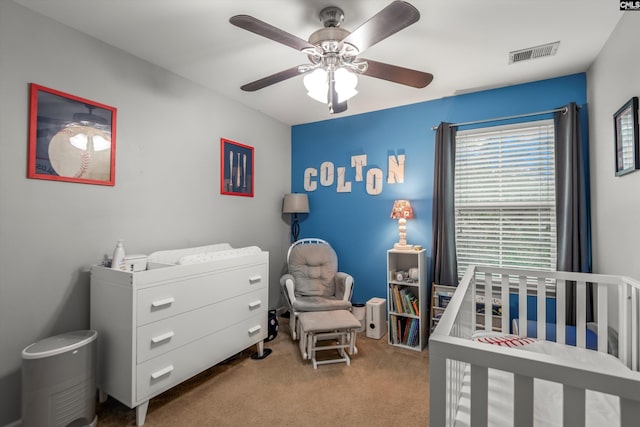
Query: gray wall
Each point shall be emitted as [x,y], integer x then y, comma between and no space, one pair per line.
[611,81]
[167,181]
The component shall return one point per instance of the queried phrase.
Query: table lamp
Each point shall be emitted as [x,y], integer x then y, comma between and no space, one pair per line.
[295,203]
[402,211]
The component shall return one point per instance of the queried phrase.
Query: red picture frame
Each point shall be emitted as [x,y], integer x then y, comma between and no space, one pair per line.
[236,168]
[71,139]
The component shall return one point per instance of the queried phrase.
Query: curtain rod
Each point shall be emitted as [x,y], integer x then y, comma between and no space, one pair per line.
[539,113]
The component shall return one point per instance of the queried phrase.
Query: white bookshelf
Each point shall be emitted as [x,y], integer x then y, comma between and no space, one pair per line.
[407,301]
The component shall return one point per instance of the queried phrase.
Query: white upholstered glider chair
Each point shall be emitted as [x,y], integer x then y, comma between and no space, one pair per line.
[313,282]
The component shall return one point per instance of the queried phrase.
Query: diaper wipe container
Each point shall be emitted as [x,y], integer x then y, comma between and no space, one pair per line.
[59,381]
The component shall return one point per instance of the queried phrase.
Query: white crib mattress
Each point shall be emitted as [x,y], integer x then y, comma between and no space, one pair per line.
[602,409]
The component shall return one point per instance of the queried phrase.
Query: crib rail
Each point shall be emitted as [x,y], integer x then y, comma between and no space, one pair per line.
[451,351]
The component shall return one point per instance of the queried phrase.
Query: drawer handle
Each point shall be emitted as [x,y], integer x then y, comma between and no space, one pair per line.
[254,305]
[162,337]
[254,330]
[162,302]
[255,279]
[162,372]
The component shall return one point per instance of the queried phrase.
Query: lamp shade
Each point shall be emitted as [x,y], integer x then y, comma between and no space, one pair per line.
[295,203]
[346,83]
[401,209]
[317,84]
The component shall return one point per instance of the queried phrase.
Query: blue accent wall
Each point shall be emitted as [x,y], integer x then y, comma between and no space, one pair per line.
[356,223]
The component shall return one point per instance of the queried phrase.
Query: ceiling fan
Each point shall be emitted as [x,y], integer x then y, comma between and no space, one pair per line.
[333,51]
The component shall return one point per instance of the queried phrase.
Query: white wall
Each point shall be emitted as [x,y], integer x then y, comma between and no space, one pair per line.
[615,201]
[167,181]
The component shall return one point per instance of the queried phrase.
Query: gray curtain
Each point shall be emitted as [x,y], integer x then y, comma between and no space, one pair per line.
[444,263]
[572,204]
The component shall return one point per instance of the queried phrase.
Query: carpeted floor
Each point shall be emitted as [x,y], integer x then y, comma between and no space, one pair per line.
[384,386]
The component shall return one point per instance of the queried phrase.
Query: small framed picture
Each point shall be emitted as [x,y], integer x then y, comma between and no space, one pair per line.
[626,138]
[236,168]
[70,138]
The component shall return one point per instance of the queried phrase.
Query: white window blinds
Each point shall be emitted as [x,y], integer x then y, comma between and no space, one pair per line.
[505,197]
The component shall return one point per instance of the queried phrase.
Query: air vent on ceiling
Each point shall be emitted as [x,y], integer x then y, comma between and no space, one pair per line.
[541,51]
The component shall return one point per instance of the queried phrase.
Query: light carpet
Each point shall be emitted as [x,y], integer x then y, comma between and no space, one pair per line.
[384,386]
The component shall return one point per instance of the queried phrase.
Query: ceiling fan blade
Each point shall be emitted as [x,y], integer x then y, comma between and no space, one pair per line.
[272,79]
[393,73]
[393,18]
[263,29]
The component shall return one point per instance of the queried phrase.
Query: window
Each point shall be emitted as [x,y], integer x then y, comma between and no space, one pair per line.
[505,197]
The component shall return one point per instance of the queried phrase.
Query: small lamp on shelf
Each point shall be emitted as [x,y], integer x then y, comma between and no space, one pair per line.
[402,211]
[295,203]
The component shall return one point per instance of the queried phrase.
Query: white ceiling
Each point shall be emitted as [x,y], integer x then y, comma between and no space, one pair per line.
[465,44]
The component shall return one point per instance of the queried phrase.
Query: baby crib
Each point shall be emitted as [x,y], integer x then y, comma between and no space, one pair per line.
[538,379]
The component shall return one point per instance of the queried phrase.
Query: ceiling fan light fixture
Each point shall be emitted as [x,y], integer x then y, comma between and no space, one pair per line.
[346,83]
[331,75]
[317,85]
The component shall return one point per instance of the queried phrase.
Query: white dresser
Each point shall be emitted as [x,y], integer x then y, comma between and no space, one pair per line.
[161,326]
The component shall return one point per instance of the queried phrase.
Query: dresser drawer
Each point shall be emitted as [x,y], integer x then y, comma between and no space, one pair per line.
[165,371]
[192,292]
[154,339]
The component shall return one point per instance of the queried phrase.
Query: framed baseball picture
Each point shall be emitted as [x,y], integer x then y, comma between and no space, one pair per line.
[236,168]
[71,138]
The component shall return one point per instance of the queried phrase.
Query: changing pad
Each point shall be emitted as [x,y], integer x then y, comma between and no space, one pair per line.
[201,254]
[216,255]
[174,255]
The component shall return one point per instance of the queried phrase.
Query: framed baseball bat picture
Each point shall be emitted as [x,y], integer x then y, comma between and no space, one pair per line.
[236,168]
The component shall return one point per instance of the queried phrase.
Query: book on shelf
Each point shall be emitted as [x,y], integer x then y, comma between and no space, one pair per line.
[404,301]
[396,329]
[410,302]
[443,300]
[416,308]
[416,333]
[496,310]
[411,333]
[496,305]
[444,297]
[404,296]
[434,320]
[398,299]
[405,331]
[392,331]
